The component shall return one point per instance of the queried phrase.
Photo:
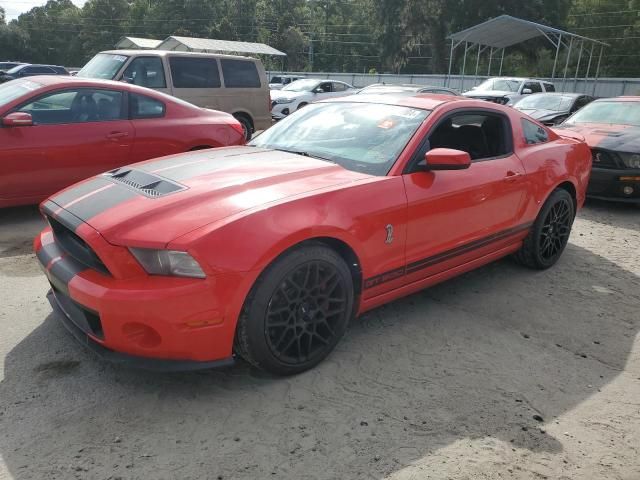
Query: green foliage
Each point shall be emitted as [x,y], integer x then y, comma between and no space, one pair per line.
[406,36]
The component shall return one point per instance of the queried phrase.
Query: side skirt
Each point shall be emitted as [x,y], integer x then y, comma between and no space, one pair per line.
[373,302]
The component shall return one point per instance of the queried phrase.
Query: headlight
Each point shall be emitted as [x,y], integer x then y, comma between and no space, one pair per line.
[167,262]
[283,101]
[631,160]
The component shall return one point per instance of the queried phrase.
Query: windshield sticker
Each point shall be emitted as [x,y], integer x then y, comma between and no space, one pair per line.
[386,124]
[119,58]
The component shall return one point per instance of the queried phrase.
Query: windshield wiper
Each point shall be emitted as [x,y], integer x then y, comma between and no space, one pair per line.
[304,154]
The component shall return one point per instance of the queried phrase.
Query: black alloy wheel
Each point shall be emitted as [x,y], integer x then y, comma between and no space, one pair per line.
[549,234]
[297,311]
[305,312]
[556,229]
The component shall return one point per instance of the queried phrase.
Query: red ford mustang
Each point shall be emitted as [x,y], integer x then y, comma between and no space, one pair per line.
[56,131]
[268,250]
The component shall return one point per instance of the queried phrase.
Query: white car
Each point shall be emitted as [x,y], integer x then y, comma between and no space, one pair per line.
[508,90]
[302,92]
[280,81]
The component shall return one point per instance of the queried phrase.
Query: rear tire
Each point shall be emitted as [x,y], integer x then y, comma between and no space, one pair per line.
[550,232]
[247,126]
[297,311]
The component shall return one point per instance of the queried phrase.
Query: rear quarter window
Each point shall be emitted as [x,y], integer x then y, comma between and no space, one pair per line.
[534,134]
[240,73]
[141,106]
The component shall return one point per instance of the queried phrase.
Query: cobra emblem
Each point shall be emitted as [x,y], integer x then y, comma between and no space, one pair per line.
[389,229]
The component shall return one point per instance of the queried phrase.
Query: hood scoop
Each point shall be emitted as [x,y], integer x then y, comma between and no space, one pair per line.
[145,183]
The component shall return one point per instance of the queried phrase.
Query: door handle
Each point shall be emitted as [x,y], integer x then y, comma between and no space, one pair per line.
[512,176]
[117,135]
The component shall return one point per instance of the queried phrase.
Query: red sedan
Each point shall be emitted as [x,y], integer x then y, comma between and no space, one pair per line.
[56,131]
[270,249]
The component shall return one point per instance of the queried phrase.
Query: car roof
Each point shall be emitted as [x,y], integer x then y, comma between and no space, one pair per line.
[164,53]
[49,80]
[630,98]
[427,101]
[558,94]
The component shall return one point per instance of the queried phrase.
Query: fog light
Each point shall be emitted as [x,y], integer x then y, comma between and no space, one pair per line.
[627,190]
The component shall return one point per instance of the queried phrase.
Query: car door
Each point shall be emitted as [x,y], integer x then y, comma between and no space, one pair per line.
[340,89]
[147,71]
[155,135]
[461,215]
[76,133]
[324,90]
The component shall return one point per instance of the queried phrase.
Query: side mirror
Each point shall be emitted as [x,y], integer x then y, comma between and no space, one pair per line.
[18,119]
[317,90]
[447,159]
[526,91]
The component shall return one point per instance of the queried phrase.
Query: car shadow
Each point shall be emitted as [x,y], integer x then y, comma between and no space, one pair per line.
[498,353]
[18,226]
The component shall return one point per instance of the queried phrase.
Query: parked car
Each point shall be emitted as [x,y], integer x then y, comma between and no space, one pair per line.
[301,93]
[611,127]
[4,66]
[270,249]
[233,84]
[31,70]
[508,90]
[406,89]
[552,108]
[279,81]
[56,131]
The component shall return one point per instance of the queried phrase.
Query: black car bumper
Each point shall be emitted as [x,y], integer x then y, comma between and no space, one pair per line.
[74,318]
[621,185]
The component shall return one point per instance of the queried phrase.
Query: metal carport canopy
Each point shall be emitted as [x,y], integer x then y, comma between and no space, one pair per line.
[505,31]
[209,45]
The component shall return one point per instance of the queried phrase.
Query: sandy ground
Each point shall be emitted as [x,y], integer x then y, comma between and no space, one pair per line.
[502,373]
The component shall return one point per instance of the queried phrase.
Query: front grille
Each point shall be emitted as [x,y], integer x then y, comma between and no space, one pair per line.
[76,247]
[145,183]
[604,159]
[86,320]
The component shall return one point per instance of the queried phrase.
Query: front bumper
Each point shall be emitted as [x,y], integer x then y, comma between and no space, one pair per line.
[151,322]
[281,110]
[610,184]
[70,313]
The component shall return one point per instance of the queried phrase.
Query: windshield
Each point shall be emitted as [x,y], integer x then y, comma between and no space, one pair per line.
[11,91]
[499,84]
[363,137]
[557,103]
[15,69]
[103,65]
[619,113]
[302,86]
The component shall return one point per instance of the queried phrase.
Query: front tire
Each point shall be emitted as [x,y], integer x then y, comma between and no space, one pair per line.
[302,105]
[297,311]
[550,232]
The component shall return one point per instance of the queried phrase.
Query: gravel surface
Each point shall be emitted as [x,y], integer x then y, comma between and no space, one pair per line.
[501,373]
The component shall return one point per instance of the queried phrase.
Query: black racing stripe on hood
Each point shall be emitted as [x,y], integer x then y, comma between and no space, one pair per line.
[53,210]
[80,190]
[101,201]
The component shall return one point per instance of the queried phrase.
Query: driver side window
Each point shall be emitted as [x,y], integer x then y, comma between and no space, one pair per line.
[483,135]
[146,72]
[75,106]
[325,87]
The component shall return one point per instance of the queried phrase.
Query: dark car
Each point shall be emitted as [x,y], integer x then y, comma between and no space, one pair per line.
[611,128]
[552,108]
[406,89]
[4,66]
[30,70]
